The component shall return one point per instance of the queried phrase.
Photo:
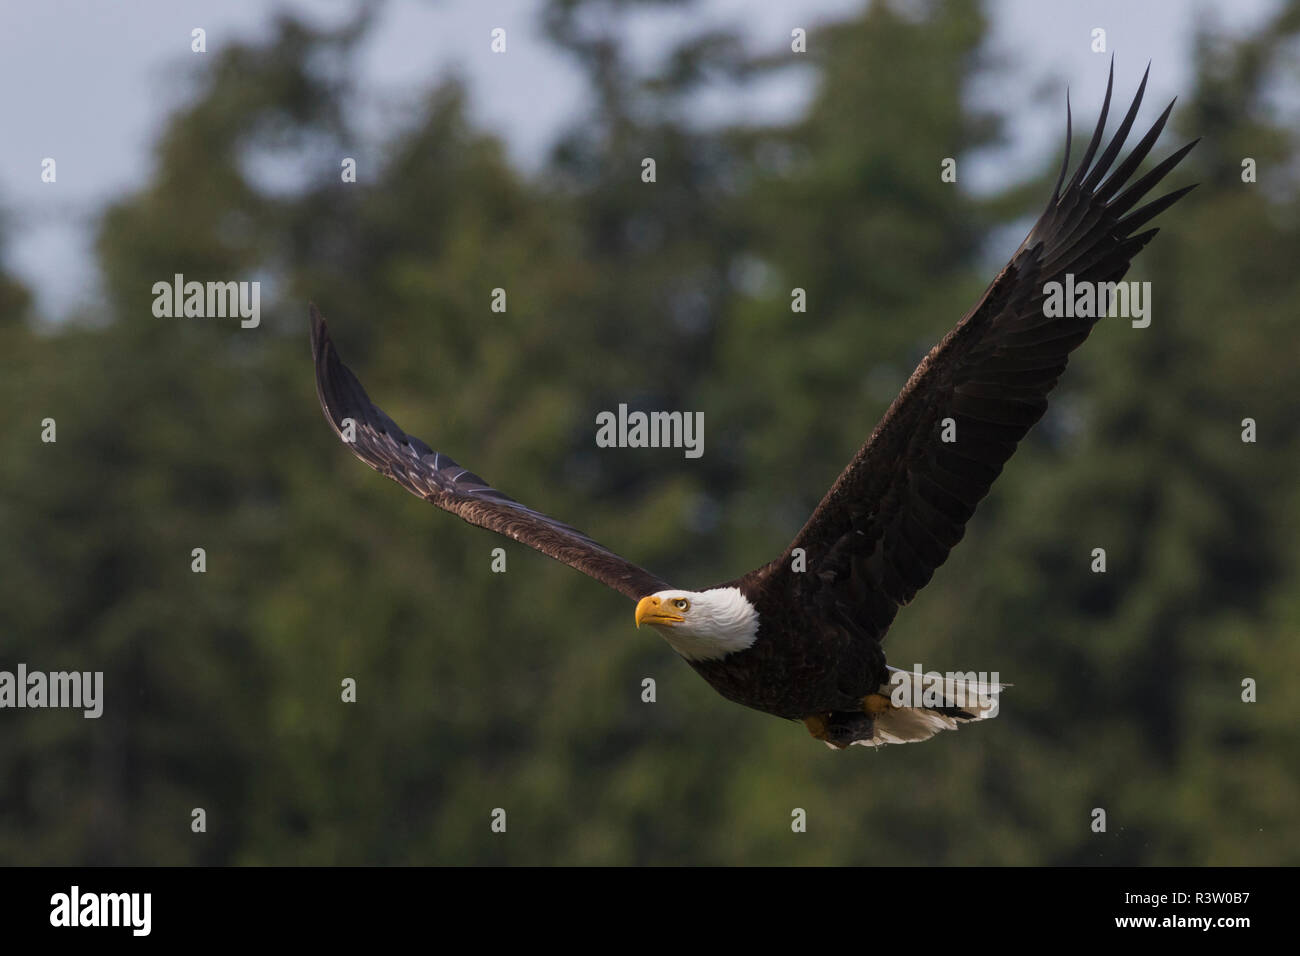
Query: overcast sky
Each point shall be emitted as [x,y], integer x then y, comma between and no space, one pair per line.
[90,82]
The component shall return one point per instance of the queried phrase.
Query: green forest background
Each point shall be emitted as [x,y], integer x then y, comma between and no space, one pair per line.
[523,691]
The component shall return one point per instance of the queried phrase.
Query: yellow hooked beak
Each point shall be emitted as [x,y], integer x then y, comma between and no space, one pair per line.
[651,610]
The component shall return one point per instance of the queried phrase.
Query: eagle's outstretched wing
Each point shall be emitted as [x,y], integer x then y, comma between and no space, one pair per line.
[892,516]
[382,445]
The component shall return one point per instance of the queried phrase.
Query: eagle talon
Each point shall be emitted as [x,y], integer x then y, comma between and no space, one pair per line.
[818,726]
[876,704]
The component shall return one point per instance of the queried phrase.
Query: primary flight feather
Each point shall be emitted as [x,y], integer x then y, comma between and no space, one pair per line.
[802,640]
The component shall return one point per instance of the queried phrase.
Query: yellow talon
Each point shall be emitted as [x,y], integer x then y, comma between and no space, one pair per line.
[875,704]
[817,726]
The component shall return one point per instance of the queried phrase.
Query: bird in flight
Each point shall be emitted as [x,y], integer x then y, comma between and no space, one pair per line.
[800,637]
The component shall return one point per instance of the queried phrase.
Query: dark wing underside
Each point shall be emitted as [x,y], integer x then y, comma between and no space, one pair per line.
[382,445]
[892,516]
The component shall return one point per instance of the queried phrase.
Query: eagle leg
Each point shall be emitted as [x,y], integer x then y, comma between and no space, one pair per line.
[838,729]
[876,704]
[818,725]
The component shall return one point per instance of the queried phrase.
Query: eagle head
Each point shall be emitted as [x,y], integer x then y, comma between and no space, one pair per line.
[701,625]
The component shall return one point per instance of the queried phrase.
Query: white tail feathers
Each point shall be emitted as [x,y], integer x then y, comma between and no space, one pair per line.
[922,704]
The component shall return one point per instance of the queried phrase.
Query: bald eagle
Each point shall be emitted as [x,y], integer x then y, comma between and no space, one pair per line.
[802,640]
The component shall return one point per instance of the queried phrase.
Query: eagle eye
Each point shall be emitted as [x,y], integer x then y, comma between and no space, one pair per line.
[682,604]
